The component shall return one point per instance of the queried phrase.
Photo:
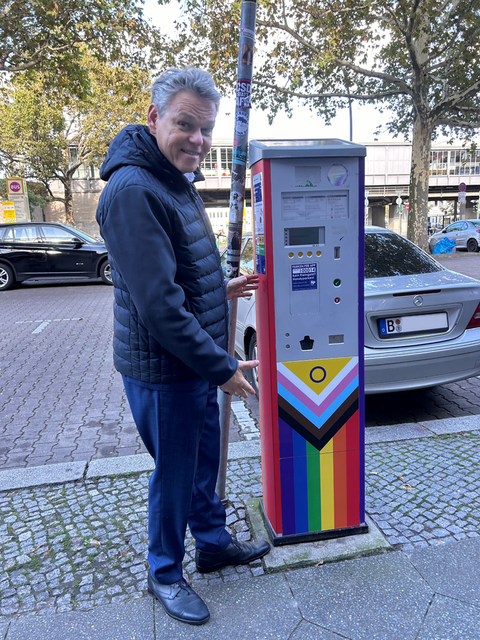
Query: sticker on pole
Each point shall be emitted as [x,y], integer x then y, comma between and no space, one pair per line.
[247,33]
[304,277]
[247,55]
[244,91]
[239,156]
[241,122]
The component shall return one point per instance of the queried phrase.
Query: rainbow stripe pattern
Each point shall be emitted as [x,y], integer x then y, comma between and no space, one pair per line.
[319,444]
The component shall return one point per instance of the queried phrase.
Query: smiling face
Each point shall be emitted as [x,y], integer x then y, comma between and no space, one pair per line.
[184,131]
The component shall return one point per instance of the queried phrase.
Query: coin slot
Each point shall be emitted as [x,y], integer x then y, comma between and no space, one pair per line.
[336,339]
[307,343]
[336,253]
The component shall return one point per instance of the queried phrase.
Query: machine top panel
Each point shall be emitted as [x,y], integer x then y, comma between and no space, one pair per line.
[317,148]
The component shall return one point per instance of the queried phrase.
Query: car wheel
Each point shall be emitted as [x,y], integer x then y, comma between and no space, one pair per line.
[106,272]
[252,355]
[7,279]
[472,245]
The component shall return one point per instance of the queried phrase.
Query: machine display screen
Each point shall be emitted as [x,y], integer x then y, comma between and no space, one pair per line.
[304,236]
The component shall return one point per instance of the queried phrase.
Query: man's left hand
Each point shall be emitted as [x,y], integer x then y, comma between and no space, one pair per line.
[242,287]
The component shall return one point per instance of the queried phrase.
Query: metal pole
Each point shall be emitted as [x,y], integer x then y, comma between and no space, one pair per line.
[237,198]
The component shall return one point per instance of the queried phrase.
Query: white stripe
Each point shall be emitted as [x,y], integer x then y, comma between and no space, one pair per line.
[41,327]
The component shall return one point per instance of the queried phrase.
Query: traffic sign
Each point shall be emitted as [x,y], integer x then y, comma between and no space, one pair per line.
[462,197]
[462,186]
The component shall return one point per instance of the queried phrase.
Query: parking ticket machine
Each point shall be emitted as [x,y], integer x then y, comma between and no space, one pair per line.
[307,198]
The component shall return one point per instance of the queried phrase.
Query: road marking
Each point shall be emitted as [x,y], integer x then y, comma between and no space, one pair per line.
[41,327]
[49,320]
[44,323]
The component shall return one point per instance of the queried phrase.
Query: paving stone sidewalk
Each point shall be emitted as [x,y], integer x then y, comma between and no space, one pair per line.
[61,399]
[79,545]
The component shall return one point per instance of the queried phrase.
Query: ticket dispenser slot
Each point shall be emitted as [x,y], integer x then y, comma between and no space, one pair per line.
[308,237]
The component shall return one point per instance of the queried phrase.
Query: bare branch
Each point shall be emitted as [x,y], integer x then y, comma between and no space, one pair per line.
[450,59]
[454,101]
[400,27]
[294,34]
[386,77]
[46,184]
[412,49]
[36,57]
[318,15]
[20,67]
[307,96]
[458,122]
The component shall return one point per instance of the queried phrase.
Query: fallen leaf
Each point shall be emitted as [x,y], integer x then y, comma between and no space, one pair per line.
[47,552]
[36,548]
[96,543]
[407,486]
[319,563]
[124,553]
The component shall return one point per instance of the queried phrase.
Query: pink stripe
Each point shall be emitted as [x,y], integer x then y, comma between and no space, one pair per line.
[304,399]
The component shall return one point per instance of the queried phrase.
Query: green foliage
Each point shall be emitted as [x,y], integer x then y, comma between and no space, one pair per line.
[419,58]
[47,35]
[37,196]
[46,137]
[407,54]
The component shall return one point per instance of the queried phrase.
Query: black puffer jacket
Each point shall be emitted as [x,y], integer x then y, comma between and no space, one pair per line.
[170,300]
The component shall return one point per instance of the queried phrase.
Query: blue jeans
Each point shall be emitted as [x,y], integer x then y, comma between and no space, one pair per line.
[179,424]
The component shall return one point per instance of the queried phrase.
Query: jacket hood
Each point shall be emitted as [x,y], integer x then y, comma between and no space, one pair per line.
[135,146]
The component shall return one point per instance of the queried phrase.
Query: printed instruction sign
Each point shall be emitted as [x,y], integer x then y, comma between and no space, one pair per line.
[298,206]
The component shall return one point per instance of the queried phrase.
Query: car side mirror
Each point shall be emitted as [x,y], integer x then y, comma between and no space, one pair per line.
[76,242]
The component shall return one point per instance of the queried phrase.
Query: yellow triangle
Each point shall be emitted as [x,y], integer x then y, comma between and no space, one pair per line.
[317,374]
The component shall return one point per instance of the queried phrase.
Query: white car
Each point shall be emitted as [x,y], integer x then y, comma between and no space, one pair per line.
[440,308]
[466,234]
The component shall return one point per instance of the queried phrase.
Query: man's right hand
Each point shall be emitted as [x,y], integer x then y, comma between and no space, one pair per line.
[237,385]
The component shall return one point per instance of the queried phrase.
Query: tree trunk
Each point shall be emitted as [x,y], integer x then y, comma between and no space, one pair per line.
[67,185]
[417,230]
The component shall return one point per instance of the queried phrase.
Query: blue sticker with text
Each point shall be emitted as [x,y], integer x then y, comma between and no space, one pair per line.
[304,277]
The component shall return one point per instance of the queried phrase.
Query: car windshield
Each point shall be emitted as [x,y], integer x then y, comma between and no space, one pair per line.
[389,254]
[86,236]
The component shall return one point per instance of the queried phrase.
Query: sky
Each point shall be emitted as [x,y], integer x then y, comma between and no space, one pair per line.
[303,123]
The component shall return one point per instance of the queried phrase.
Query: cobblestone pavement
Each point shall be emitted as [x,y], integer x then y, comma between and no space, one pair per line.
[61,399]
[79,545]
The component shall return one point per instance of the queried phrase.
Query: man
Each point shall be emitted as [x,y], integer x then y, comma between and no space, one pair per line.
[171,328]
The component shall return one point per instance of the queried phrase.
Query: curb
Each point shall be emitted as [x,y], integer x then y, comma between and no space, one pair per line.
[24,478]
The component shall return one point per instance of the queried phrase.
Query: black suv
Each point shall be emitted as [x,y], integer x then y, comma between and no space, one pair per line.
[49,250]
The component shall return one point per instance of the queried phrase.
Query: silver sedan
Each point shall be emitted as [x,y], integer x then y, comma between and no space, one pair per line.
[422,321]
[466,234]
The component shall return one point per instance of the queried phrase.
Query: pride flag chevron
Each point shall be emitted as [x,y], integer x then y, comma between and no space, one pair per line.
[319,444]
[316,398]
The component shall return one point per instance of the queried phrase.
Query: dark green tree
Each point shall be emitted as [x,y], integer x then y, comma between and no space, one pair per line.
[45,139]
[46,35]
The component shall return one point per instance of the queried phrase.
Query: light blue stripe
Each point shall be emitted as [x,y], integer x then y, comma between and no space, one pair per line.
[318,421]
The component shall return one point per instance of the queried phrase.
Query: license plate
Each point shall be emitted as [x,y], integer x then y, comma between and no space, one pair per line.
[405,325]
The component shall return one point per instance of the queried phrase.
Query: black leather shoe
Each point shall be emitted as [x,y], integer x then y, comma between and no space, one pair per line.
[180,601]
[235,553]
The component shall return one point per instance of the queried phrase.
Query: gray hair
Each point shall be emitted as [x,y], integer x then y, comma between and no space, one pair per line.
[191,79]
